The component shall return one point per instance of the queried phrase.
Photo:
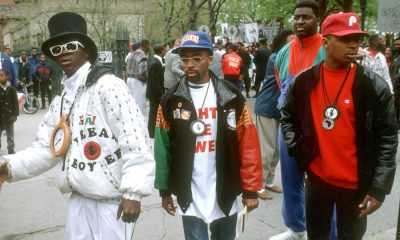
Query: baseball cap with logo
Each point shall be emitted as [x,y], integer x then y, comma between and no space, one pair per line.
[342,24]
[195,40]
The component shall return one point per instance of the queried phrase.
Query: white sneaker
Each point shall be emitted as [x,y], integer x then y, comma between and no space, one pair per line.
[290,235]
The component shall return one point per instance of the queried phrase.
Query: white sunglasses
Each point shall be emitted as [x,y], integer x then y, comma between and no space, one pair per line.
[69,46]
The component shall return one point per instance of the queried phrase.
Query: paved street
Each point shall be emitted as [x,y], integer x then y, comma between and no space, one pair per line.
[34,209]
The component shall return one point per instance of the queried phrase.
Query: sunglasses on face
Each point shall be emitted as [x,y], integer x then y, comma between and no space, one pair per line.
[196,59]
[69,46]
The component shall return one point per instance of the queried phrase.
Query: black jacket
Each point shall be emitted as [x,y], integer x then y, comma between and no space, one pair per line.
[238,158]
[8,104]
[155,79]
[376,131]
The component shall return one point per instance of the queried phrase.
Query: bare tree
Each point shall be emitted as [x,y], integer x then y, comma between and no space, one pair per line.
[101,22]
[172,14]
[214,7]
[194,8]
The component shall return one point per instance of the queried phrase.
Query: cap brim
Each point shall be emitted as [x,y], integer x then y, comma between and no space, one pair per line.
[86,41]
[177,50]
[347,32]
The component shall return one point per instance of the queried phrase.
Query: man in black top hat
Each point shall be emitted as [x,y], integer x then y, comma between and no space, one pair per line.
[98,134]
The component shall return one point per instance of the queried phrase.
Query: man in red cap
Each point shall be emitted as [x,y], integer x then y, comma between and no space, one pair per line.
[338,122]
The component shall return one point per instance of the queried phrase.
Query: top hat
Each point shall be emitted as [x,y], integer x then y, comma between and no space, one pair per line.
[342,24]
[195,40]
[69,24]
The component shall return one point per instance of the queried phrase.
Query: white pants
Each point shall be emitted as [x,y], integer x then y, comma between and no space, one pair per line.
[89,219]
[138,91]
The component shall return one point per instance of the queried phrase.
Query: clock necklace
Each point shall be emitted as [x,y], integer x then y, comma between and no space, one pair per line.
[61,136]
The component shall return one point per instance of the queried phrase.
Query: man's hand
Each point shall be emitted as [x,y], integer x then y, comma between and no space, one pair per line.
[3,173]
[368,206]
[129,209]
[250,203]
[168,205]
[13,119]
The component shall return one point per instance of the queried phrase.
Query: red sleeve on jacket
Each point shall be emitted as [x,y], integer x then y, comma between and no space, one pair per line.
[249,152]
[278,80]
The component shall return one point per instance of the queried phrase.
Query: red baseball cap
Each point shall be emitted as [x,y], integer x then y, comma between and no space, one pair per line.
[342,24]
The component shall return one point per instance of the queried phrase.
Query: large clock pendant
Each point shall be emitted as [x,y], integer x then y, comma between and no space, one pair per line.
[60,138]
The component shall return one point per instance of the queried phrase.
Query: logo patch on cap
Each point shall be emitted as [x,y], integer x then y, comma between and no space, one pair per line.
[190,37]
[352,20]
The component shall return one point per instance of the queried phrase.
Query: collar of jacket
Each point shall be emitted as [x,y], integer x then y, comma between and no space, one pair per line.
[96,72]
[308,41]
[224,95]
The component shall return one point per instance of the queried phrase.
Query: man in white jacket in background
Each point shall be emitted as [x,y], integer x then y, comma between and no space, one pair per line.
[103,147]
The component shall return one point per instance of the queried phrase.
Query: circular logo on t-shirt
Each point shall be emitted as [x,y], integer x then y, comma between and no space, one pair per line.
[92,150]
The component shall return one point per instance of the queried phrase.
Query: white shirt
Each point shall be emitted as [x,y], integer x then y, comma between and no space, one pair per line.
[72,84]
[378,65]
[204,176]
[159,59]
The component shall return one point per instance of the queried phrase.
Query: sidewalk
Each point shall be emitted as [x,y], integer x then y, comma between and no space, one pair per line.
[35,209]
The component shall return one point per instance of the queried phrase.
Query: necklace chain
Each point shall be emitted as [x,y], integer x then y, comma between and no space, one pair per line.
[325,92]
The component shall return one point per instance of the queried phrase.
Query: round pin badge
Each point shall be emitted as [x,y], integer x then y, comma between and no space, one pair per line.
[328,124]
[92,150]
[331,112]
[198,127]
[231,120]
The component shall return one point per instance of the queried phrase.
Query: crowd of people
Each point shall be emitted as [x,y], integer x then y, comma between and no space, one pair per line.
[325,108]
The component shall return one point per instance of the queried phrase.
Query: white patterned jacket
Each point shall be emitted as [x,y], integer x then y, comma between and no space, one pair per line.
[109,155]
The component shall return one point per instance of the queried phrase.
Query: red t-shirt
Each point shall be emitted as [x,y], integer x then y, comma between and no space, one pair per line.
[337,161]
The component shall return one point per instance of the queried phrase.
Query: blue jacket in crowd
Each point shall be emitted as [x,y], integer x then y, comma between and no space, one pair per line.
[7,65]
[267,98]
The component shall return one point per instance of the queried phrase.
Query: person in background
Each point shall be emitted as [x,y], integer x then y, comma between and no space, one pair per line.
[220,47]
[23,71]
[388,56]
[216,66]
[8,65]
[34,60]
[9,110]
[260,60]
[375,60]
[44,74]
[395,75]
[267,118]
[136,71]
[173,71]
[246,62]
[155,85]
[232,67]
[7,51]
[338,121]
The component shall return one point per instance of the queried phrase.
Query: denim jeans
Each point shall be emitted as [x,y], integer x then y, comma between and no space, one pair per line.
[221,229]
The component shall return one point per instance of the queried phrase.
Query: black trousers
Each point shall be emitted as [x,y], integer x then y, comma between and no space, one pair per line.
[320,200]
[247,81]
[45,90]
[35,87]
